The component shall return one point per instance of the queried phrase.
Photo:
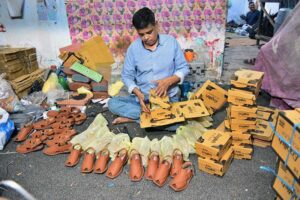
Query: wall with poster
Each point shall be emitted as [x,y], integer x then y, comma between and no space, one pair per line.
[43,25]
[197,24]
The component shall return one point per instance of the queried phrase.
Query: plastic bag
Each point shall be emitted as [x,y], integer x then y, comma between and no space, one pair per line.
[166,147]
[141,145]
[181,143]
[120,141]
[8,99]
[55,94]
[6,128]
[51,83]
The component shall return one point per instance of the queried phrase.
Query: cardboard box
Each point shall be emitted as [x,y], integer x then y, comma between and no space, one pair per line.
[190,109]
[213,144]
[282,150]
[285,124]
[241,98]
[263,131]
[261,143]
[147,121]
[242,112]
[247,80]
[242,125]
[215,167]
[243,151]
[213,96]
[265,113]
[280,186]
[241,142]
[95,54]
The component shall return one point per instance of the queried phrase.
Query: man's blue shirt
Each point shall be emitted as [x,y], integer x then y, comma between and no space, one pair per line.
[252,17]
[142,66]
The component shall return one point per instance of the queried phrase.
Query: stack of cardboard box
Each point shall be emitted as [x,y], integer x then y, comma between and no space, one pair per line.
[241,114]
[16,62]
[215,152]
[286,144]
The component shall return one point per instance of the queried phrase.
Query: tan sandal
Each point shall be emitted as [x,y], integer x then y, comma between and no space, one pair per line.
[23,133]
[74,156]
[116,167]
[153,163]
[162,173]
[101,162]
[181,180]
[88,161]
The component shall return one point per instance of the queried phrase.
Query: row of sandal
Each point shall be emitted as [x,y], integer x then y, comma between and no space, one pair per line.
[158,172]
[55,132]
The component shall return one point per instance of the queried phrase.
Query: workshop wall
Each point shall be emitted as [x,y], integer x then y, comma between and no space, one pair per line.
[197,24]
[43,25]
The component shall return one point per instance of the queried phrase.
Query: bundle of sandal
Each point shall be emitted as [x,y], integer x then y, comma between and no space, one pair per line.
[56,131]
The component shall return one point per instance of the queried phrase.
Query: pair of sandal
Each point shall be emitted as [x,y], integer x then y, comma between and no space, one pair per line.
[89,164]
[181,172]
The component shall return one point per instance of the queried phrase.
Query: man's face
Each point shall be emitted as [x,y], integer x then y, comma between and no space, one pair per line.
[149,35]
[252,7]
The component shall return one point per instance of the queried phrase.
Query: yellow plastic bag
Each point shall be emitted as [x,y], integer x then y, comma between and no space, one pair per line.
[102,141]
[115,88]
[189,135]
[118,142]
[141,145]
[166,147]
[181,143]
[155,146]
[51,83]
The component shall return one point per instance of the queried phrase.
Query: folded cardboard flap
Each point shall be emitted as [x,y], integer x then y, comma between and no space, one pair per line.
[248,77]
[163,102]
[261,143]
[240,97]
[160,113]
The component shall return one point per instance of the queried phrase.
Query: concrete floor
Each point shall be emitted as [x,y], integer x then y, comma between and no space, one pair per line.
[47,178]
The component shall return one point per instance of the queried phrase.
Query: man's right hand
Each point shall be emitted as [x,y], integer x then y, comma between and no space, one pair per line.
[141,98]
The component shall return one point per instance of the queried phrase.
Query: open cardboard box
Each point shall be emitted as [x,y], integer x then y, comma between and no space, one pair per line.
[213,96]
[213,144]
[216,167]
[263,131]
[280,188]
[261,143]
[95,54]
[241,97]
[178,112]
[247,80]
[265,113]
[162,102]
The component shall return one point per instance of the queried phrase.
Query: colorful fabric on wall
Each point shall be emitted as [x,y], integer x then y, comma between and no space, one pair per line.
[197,24]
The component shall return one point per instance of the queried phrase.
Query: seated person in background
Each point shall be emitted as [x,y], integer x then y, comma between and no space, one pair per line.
[152,61]
[252,16]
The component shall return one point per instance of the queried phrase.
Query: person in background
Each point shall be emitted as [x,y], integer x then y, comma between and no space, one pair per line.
[153,61]
[253,15]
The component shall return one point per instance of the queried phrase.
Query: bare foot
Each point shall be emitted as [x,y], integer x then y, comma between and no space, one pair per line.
[121,120]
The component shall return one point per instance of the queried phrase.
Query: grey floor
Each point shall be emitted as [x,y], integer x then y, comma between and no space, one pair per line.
[47,178]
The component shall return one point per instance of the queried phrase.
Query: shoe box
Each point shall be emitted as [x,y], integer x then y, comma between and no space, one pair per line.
[243,151]
[241,97]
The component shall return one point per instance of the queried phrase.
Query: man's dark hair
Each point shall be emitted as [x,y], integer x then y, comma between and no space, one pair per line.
[142,18]
[251,2]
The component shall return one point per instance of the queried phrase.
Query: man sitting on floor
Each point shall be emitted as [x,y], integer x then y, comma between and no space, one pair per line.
[152,61]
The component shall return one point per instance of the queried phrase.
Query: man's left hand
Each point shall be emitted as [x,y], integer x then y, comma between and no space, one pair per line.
[163,85]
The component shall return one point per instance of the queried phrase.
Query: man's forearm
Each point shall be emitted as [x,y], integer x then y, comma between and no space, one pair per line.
[174,80]
[137,92]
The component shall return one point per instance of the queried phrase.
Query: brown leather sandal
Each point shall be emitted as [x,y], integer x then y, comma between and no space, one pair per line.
[80,118]
[75,101]
[74,156]
[44,123]
[57,149]
[177,163]
[101,162]
[30,145]
[23,133]
[88,161]
[181,180]
[153,163]
[116,167]
[136,171]
[52,113]
[162,173]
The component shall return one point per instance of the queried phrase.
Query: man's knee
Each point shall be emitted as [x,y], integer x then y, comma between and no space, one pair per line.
[113,103]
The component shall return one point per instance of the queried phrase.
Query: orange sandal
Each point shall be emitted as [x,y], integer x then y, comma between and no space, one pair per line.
[162,173]
[101,162]
[30,145]
[153,163]
[116,167]
[181,180]
[177,163]
[74,156]
[136,171]
[57,149]
[23,133]
[88,161]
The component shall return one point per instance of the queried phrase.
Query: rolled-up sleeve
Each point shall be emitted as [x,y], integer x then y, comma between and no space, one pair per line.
[129,71]
[181,66]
